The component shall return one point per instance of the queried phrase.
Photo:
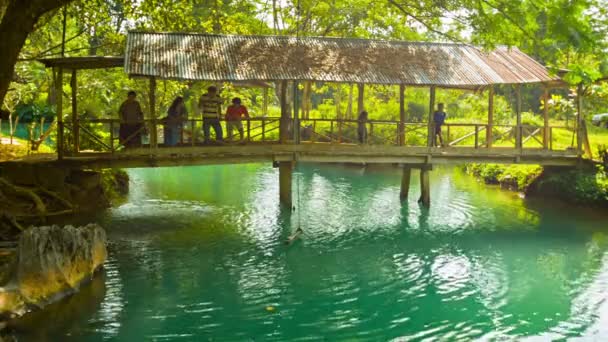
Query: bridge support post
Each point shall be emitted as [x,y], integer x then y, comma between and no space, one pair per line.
[405,182]
[59,104]
[546,128]
[431,123]
[285,175]
[425,187]
[75,126]
[519,129]
[285,117]
[579,118]
[490,127]
[360,98]
[401,115]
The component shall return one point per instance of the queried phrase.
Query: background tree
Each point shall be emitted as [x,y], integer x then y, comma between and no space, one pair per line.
[18,20]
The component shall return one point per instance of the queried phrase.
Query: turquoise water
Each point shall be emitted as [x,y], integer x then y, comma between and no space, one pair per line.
[198,253]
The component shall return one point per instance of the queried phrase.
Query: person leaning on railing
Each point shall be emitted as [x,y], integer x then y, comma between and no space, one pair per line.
[131,121]
[210,105]
[234,114]
[176,115]
[362,127]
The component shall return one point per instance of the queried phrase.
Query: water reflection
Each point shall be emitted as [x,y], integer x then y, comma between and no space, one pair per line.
[198,253]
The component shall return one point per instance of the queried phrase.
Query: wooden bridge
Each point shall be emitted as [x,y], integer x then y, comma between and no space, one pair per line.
[290,138]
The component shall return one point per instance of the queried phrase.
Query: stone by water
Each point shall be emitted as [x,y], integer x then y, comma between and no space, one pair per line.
[198,253]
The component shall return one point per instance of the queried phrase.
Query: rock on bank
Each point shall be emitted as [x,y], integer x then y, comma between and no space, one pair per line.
[49,264]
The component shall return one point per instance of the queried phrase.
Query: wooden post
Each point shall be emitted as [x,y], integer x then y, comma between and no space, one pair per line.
[59,102]
[75,126]
[476,136]
[284,124]
[431,122]
[112,136]
[579,118]
[360,98]
[285,174]
[401,130]
[546,118]
[490,127]
[153,130]
[405,182]
[425,191]
[296,119]
[518,131]
[265,101]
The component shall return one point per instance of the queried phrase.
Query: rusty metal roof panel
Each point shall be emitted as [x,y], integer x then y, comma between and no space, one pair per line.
[187,56]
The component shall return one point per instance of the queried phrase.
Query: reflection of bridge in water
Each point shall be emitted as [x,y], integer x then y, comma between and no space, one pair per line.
[288,61]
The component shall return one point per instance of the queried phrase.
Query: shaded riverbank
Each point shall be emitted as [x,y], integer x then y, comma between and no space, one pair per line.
[583,185]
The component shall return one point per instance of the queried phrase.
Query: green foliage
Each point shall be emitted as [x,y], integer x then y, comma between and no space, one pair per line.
[520,176]
[582,186]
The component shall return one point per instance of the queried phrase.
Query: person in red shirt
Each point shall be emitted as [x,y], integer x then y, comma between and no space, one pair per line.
[234,114]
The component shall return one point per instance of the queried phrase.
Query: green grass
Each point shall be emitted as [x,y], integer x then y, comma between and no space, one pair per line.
[18,149]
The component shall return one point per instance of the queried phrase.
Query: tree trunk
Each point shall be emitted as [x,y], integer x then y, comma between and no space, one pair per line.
[17,23]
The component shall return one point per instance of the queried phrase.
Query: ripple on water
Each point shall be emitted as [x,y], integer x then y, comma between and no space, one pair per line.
[208,262]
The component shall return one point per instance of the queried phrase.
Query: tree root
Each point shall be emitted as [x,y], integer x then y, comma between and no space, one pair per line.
[56,196]
[23,192]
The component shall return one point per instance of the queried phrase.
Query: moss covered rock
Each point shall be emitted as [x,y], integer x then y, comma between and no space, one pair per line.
[51,263]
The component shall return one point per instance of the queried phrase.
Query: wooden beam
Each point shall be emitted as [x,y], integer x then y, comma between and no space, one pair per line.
[546,128]
[153,130]
[490,129]
[518,142]
[59,102]
[360,98]
[265,101]
[296,118]
[285,120]
[75,126]
[431,121]
[402,115]
[579,118]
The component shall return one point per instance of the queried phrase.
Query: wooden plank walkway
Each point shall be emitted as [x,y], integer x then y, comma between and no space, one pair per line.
[306,152]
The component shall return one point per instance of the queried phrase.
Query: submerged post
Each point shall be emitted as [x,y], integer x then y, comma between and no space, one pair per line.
[425,187]
[75,126]
[285,174]
[490,127]
[431,128]
[405,182]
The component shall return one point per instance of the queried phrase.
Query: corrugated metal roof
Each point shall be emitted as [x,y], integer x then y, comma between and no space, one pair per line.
[187,56]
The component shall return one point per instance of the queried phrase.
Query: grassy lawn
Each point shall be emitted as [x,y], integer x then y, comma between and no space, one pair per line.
[18,148]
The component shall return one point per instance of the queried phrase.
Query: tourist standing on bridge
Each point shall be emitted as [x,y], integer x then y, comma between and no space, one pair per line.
[210,104]
[439,119]
[234,114]
[131,121]
[176,115]
[362,127]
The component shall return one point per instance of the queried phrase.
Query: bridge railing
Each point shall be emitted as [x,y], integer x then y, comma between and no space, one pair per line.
[103,135]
